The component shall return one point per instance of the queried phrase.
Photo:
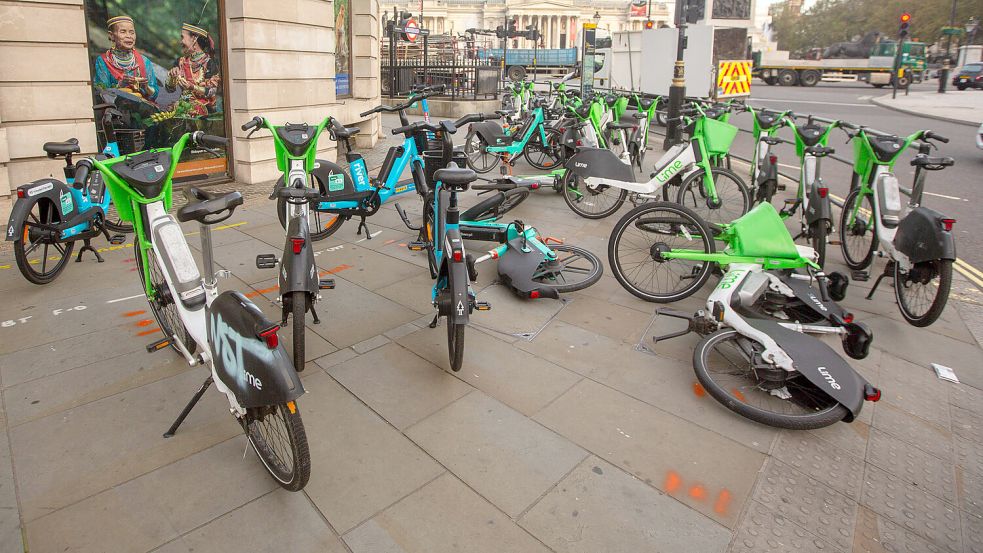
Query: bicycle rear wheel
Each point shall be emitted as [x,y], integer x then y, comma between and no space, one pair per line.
[922,291]
[545,157]
[638,242]
[277,435]
[162,303]
[495,206]
[479,158]
[733,198]
[858,240]
[455,344]
[298,308]
[590,202]
[573,269]
[114,223]
[31,252]
[729,367]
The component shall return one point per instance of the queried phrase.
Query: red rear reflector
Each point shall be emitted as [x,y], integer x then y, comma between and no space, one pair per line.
[20,193]
[534,186]
[271,337]
[562,129]
[458,255]
[534,294]
[848,318]
[947,223]
[872,394]
[823,192]
[773,159]
[298,244]
[580,143]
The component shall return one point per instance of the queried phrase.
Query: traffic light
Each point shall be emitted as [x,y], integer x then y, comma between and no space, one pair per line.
[905,23]
[649,24]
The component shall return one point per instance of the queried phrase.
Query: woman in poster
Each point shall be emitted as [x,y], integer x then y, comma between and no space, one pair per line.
[123,67]
[196,72]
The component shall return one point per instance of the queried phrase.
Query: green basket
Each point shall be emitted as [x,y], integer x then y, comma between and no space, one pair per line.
[717,135]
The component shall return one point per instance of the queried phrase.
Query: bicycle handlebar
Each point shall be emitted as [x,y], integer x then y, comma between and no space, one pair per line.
[448,126]
[253,123]
[202,139]
[414,98]
[929,135]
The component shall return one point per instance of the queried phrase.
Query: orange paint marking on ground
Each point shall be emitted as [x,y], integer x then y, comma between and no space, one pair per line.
[737,393]
[673,482]
[402,245]
[723,500]
[698,390]
[148,332]
[698,492]
[133,313]
[386,243]
[338,269]
[263,291]
[145,322]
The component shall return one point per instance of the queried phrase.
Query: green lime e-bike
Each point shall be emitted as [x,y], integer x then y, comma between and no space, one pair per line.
[230,334]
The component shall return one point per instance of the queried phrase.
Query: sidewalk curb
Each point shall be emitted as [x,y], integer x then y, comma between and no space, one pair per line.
[880,101]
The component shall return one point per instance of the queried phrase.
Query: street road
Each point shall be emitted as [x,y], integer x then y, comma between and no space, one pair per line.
[955,191]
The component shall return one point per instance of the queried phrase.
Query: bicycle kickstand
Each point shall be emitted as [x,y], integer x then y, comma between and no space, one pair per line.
[362,225]
[88,247]
[887,270]
[187,408]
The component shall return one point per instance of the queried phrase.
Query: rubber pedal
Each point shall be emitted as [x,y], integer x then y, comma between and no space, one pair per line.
[266,261]
[158,345]
[117,239]
[860,276]
[326,284]
[416,246]
[482,306]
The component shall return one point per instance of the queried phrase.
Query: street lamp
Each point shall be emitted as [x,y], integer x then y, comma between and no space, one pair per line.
[597,17]
[971,27]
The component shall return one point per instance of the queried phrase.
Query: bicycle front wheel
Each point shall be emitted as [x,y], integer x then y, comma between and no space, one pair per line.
[922,290]
[545,157]
[728,367]
[818,234]
[858,235]
[455,344]
[39,258]
[641,238]
[591,202]
[277,435]
[733,197]
[298,310]
[573,269]
[479,158]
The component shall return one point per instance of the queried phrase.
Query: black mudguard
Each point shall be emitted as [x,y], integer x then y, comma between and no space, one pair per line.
[921,236]
[297,270]
[819,364]
[454,302]
[257,375]
[48,189]
[598,162]
[322,172]
[517,267]
[820,208]
[491,132]
[811,297]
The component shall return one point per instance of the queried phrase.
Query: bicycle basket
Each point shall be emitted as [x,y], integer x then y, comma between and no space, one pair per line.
[717,135]
[130,140]
[426,141]
[434,160]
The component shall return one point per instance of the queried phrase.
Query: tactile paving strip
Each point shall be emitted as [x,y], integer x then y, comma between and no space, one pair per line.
[967,424]
[972,533]
[913,465]
[966,397]
[914,510]
[970,486]
[765,531]
[874,534]
[969,454]
[915,431]
[808,503]
[822,461]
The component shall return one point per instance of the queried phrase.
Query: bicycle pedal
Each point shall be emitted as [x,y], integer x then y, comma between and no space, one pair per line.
[326,284]
[782,187]
[117,239]
[835,242]
[860,276]
[158,345]
[416,246]
[266,261]
[482,306]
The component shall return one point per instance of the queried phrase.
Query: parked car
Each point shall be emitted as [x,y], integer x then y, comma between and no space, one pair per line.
[970,76]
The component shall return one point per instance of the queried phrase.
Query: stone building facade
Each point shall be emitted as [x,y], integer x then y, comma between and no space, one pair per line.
[280,64]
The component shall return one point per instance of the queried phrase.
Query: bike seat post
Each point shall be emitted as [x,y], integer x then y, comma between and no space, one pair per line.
[206,255]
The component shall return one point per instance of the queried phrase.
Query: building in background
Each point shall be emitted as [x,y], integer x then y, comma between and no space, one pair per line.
[289,60]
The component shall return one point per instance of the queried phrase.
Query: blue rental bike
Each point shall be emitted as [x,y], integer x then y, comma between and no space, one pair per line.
[49,216]
[488,143]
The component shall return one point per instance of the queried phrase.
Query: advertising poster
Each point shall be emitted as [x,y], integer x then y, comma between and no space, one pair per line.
[343,48]
[157,74]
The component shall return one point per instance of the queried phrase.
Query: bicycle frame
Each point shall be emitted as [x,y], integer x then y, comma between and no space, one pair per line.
[515,148]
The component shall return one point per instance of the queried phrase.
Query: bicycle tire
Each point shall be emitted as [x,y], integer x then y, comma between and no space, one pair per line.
[475,147]
[698,273]
[574,199]
[818,234]
[24,247]
[944,272]
[698,202]
[318,231]
[114,223]
[298,311]
[551,150]
[165,312]
[496,205]
[299,474]
[845,234]
[455,344]
[544,275]
[736,401]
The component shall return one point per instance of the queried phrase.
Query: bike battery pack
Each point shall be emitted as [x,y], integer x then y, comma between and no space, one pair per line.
[179,264]
[889,200]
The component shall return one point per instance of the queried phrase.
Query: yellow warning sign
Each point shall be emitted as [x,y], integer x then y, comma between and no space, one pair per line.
[733,79]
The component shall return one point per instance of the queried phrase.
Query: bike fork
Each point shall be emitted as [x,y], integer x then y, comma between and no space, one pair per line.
[187,408]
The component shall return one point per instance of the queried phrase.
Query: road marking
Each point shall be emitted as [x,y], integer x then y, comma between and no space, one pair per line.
[117,300]
[373,235]
[862,98]
[810,102]
[944,196]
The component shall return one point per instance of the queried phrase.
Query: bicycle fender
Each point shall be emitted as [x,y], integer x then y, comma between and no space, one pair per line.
[256,374]
[819,364]
[808,295]
[517,267]
[491,132]
[50,189]
[598,162]
[298,272]
[819,208]
[921,236]
[458,308]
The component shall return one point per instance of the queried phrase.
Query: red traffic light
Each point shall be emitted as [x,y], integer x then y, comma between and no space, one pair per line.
[905,17]
[650,24]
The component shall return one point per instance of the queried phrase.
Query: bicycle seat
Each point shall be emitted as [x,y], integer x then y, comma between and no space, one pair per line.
[810,134]
[455,177]
[59,149]
[296,137]
[771,140]
[639,115]
[767,119]
[344,133]
[932,163]
[820,151]
[203,204]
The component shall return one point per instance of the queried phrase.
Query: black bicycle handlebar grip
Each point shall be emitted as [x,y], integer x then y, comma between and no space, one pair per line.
[403,130]
[212,140]
[253,123]
[932,136]
[82,169]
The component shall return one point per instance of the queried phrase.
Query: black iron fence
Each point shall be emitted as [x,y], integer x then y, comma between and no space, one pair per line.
[463,78]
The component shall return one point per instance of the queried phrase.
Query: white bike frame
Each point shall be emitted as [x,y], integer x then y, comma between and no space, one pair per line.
[678,160]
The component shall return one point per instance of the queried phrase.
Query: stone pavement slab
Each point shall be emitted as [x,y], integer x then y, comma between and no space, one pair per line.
[598,507]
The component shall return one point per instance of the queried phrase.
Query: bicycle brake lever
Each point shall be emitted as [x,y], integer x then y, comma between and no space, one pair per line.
[251,132]
[211,151]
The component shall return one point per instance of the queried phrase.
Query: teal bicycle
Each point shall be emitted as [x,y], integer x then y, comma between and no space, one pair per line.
[488,143]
